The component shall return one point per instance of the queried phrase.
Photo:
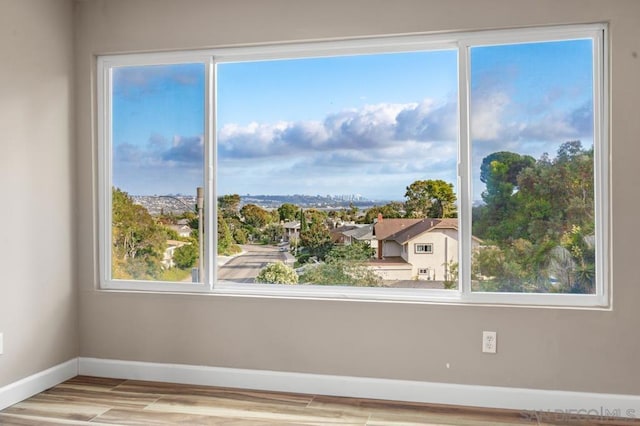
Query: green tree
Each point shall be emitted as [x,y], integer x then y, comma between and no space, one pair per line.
[186,256]
[255,216]
[240,235]
[508,268]
[345,265]
[573,262]
[341,273]
[277,273]
[303,221]
[229,205]
[514,163]
[138,241]
[391,210]
[539,219]
[359,251]
[226,244]
[557,194]
[499,172]
[314,215]
[316,240]
[433,198]
[287,211]
[273,232]
[172,234]
[451,275]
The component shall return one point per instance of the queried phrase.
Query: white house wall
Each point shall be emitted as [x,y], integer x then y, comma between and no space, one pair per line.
[440,256]
[393,272]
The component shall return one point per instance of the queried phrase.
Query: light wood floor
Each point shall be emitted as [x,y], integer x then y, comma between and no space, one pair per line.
[95,401]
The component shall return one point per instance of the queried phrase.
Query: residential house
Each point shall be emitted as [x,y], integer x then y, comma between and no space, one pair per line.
[182,230]
[338,233]
[363,233]
[421,249]
[291,230]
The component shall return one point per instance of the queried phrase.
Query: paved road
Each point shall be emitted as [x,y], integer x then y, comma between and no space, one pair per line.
[244,268]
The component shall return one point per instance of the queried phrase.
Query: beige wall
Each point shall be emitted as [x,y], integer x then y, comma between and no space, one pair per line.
[564,349]
[38,297]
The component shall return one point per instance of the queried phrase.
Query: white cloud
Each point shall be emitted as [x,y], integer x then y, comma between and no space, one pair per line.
[487,116]
[369,128]
[377,146]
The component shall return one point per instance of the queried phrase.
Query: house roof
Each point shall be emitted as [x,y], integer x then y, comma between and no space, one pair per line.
[383,229]
[425,225]
[291,225]
[364,232]
[403,230]
[339,232]
[387,261]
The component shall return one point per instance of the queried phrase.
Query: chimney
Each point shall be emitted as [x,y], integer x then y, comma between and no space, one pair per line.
[379,217]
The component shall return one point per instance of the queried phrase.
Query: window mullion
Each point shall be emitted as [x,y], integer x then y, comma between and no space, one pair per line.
[210,216]
[601,166]
[212,158]
[464,172]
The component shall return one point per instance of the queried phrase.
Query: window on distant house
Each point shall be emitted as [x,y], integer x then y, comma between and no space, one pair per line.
[309,169]
[424,248]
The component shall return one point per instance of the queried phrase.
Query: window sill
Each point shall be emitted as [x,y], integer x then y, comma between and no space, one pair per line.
[369,294]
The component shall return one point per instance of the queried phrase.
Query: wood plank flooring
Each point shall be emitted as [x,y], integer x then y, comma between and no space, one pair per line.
[97,401]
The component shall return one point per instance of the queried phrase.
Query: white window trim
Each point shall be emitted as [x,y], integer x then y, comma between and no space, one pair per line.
[105,65]
[598,32]
[462,42]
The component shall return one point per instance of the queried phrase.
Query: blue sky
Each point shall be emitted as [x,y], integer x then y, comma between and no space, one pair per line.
[369,124]
[158,128]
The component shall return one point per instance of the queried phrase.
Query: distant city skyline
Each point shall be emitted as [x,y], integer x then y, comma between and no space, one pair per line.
[367,124]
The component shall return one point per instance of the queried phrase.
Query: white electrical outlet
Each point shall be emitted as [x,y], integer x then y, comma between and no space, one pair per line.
[489,342]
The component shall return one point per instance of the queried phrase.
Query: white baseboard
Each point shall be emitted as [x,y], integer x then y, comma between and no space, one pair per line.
[529,401]
[36,383]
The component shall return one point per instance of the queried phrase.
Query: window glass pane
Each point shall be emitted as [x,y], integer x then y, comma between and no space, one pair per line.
[532,162]
[330,168]
[158,162]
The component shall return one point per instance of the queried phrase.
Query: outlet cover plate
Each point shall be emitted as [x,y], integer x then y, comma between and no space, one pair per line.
[489,342]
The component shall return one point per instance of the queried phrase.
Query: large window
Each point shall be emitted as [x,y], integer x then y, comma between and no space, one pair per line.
[308,169]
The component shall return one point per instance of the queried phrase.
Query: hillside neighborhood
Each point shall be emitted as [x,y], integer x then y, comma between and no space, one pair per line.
[533,232]
[402,249]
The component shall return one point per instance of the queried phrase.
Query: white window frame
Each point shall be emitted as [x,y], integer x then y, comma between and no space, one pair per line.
[424,246]
[462,42]
[105,66]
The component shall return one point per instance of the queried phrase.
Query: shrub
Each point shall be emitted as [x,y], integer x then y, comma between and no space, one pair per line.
[277,273]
